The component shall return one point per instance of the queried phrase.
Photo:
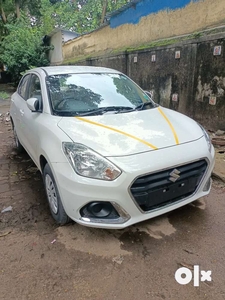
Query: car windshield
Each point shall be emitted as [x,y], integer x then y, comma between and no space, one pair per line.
[95,94]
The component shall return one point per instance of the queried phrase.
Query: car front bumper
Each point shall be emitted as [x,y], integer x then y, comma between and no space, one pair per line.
[77,191]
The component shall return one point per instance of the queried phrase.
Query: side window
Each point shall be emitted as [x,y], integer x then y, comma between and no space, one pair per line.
[22,89]
[34,90]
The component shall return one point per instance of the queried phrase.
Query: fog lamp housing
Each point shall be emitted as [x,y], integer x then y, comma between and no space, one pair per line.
[207,185]
[99,210]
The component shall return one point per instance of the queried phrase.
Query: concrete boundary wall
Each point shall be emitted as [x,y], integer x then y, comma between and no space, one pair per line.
[192,82]
[193,17]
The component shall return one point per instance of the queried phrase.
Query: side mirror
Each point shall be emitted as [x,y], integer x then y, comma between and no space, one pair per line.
[33,104]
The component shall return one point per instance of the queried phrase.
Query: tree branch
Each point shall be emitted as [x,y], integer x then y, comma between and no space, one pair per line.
[3,16]
[104,11]
[17,9]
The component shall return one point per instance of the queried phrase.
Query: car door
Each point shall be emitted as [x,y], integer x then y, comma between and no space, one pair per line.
[18,100]
[31,119]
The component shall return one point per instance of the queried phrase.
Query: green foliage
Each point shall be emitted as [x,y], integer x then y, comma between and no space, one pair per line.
[196,35]
[22,48]
[24,23]
[4,95]
[79,15]
[90,13]
[60,15]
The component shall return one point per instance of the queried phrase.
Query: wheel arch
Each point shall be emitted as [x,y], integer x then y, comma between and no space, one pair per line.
[43,161]
[11,119]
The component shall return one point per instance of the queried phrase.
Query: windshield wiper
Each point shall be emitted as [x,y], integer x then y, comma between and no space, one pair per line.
[102,110]
[141,106]
[66,113]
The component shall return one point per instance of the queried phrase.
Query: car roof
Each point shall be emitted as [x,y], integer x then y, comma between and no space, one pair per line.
[56,70]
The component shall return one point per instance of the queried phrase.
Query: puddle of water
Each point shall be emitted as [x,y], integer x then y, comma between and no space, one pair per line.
[108,243]
[156,228]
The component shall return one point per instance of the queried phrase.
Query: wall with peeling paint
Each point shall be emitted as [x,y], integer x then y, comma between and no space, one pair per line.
[193,84]
[196,80]
[143,8]
[155,20]
[208,105]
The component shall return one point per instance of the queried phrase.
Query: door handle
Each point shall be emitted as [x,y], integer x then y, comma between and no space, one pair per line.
[21,112]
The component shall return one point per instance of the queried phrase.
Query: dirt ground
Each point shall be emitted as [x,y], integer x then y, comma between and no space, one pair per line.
[40,260]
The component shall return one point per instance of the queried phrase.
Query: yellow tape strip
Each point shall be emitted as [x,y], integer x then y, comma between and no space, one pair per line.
[117,130]
[171,126]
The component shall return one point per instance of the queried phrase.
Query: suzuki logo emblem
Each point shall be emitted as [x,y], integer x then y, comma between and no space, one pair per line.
[174,175]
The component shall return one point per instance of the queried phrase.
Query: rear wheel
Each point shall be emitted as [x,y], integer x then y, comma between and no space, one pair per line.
[54,200]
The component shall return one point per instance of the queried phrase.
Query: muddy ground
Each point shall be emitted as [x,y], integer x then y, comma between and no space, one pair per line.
[40,260]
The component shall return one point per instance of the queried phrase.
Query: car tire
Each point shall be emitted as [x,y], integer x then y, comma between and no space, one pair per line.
[54,200]
[18,145]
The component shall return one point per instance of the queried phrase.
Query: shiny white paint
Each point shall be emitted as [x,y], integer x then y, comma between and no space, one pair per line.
[148,125]
[77,191]
[42,134]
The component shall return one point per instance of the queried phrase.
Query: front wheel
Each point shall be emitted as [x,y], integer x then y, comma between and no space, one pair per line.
[54,200]
[19,147]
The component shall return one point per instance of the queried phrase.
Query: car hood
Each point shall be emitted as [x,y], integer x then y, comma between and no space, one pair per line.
[133,132]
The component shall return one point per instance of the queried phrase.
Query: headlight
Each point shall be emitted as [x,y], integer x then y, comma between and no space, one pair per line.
[88,163]
[207,138]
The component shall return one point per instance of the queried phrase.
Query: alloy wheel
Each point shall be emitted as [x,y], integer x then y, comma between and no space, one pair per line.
[51,194]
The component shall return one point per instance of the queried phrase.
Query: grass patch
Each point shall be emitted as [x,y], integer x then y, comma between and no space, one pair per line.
[4,95]
[154,44]
[74,60]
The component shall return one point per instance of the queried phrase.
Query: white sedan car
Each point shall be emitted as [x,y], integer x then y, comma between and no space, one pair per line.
[110,157]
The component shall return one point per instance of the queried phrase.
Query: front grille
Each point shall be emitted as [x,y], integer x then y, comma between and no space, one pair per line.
[158,189]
